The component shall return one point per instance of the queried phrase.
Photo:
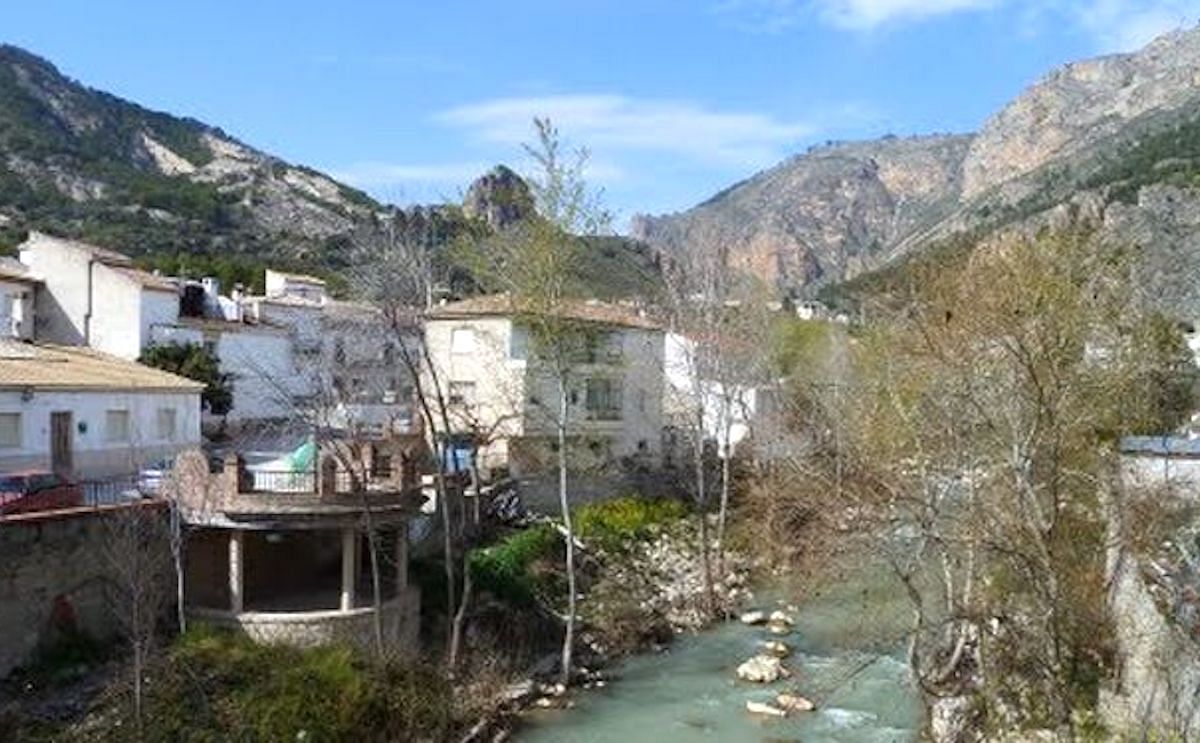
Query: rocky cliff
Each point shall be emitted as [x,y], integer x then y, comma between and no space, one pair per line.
[1112,144]
[823,216]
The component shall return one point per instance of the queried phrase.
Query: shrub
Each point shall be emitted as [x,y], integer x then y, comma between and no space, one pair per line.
[504,568]
[221,686]
[615,522]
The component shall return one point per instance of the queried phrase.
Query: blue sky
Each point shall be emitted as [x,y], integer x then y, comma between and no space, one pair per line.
[674,98]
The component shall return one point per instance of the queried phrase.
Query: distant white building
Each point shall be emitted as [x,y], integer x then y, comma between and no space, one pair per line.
[282,351]
[689,396]
[90,296]
[490,375]
[88,415]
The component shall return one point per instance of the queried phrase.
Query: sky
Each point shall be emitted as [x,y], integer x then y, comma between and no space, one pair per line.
[673,99]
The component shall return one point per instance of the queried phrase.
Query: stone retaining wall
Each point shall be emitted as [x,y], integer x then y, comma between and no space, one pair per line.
[401,623]
[53,573]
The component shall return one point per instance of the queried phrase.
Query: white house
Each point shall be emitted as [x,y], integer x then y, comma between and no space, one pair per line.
[18,289]
[280,350]
[89,415]
[90,296]
[690,398]
[484,359]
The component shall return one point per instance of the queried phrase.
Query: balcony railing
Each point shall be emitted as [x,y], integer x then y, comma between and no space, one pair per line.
[341,482]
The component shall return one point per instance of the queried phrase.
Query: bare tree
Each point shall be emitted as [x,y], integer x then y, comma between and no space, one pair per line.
[136,556]
[535,262]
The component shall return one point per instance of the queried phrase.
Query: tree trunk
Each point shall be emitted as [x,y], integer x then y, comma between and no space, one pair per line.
[565,507]
[460,616]
[702,504]
[726,435]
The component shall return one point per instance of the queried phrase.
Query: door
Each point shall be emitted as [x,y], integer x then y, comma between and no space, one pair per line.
[61,460]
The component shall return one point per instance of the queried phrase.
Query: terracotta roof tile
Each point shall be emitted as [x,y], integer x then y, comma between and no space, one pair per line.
[44,366]
[586,310]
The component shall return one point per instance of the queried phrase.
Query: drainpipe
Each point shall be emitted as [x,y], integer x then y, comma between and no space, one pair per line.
[87,316]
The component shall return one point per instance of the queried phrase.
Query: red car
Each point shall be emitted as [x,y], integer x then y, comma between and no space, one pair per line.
[37,490]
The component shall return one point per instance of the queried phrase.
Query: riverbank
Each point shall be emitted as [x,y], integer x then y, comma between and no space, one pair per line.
[845,658]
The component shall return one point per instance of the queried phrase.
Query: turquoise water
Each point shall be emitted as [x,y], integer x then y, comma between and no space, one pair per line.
[846,657]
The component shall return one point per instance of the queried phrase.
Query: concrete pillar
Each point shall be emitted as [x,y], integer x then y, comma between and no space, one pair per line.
[349,561]
[401,560]
[237,568]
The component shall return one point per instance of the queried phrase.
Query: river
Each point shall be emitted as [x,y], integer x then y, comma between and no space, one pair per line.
[846,658]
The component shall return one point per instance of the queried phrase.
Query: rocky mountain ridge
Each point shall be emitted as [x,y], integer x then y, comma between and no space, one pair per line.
[1105,143]
[181,195]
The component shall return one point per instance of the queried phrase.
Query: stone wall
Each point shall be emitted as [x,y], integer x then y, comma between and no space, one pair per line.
[1158,683]
[53,578]
[401,624]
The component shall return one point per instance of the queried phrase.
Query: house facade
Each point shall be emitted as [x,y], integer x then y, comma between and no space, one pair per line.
[90,416]
[503,394]
[282,351]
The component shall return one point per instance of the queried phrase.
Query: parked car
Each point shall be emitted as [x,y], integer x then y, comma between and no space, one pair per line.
[37,490]
[150,478]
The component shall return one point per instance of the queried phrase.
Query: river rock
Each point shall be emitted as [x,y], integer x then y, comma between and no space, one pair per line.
[776,648]
[762,669]
[518,692]
[762,708]
[753,617]
[779,628]
[779,617]
[794,703]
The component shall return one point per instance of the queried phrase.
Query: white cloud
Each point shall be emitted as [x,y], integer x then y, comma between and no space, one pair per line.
[774,16]
[868,14]
[1116,25]
[1125,25]
[610,123]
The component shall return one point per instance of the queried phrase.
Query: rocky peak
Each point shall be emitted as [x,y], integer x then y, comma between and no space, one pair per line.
[1080,103]
[499,197]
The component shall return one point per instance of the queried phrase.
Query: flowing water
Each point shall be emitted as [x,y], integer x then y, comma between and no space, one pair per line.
[846,658]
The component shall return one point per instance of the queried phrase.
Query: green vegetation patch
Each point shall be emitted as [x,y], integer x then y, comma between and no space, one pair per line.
[217,686]
[508,569]
[614,523]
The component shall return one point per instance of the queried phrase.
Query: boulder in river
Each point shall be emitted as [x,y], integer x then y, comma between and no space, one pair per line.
[779,628]
[754,617]
[779,617]
[794,703]
[776,648]
[762,708]
[762,669]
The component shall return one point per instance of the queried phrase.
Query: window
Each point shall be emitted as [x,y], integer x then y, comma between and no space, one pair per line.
[462,340]
[462,393]
[518,343]
[116,425]
[166,424]
[10,430]
[603,348]
[603,399]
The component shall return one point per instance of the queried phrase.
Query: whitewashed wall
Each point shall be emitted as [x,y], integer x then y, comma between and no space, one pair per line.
[94,456]
[62,300]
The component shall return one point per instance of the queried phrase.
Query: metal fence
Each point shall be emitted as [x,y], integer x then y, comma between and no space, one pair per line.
[306,481]
[69,497]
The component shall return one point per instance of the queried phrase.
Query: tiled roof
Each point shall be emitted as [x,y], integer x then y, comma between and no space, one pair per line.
[146,279]
[585,310]
[46,367]
[14,270]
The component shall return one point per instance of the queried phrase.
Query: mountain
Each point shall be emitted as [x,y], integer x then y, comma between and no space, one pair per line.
[181,195]
[1111,145]
[84,163]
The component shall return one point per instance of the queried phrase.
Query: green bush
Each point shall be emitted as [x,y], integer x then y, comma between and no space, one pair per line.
[216,686]
[504,569]
[615,522]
